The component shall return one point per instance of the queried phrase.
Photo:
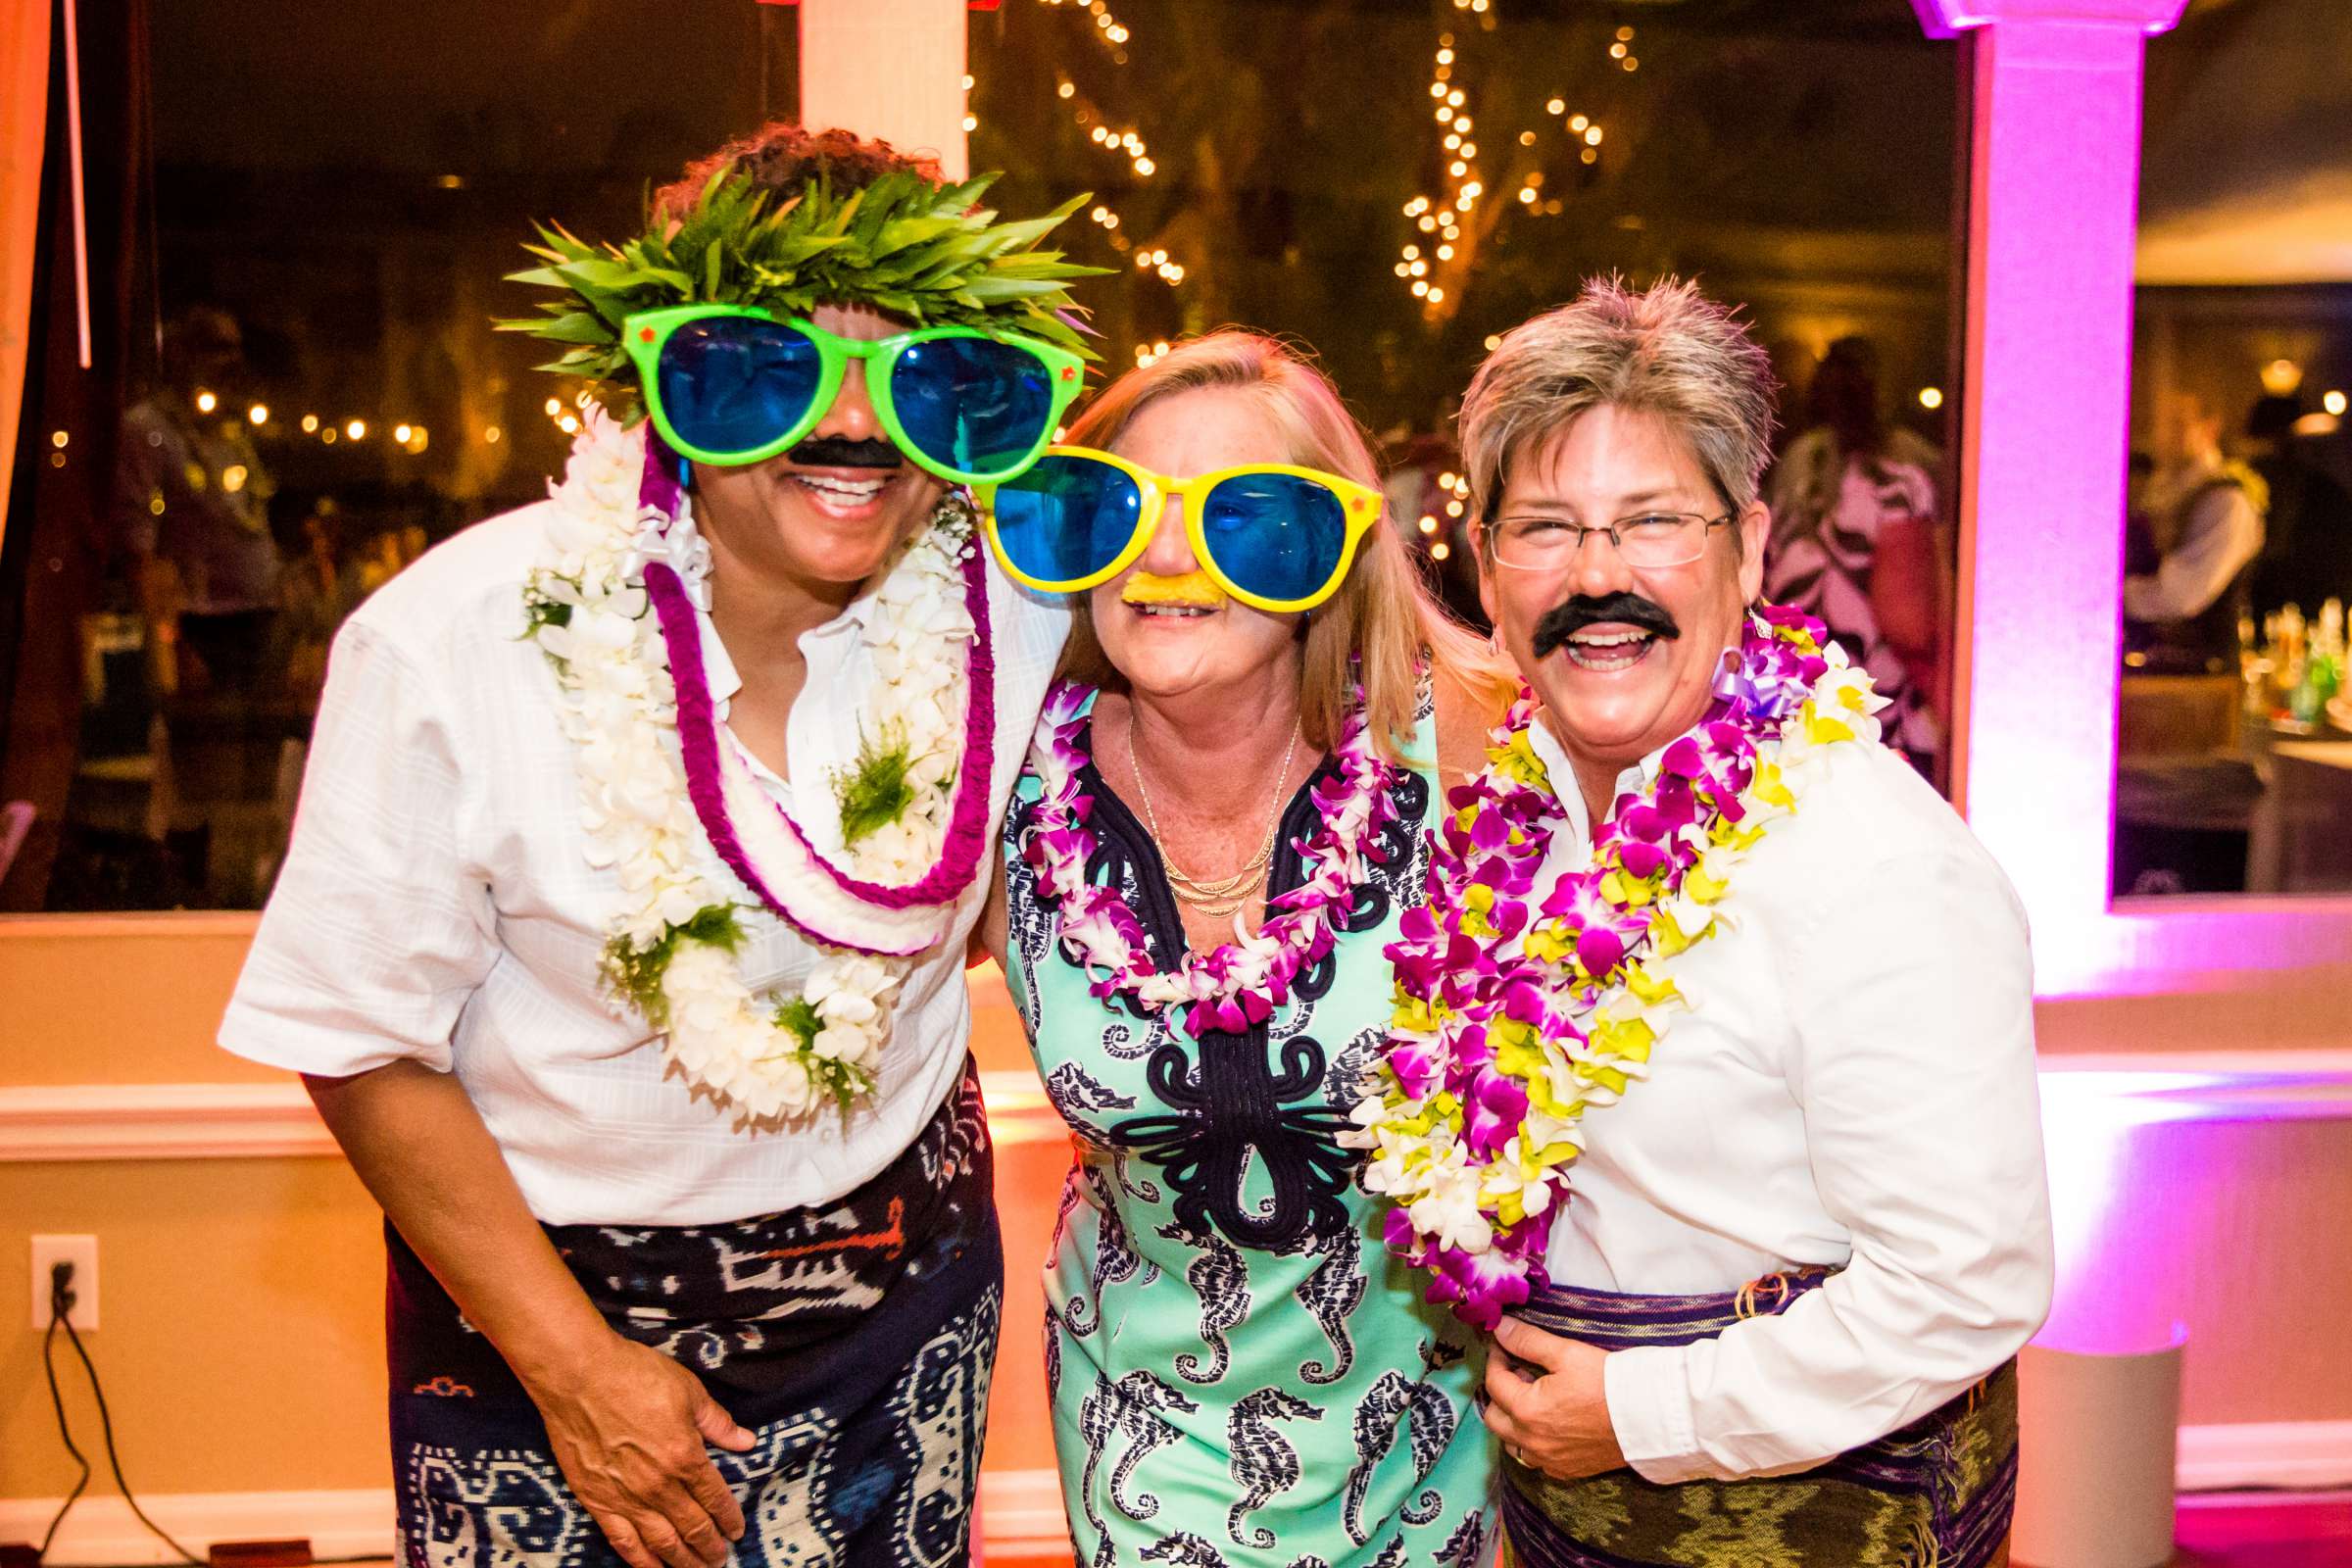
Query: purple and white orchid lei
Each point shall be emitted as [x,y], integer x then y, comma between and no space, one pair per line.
[1521,1005]
[1240,983]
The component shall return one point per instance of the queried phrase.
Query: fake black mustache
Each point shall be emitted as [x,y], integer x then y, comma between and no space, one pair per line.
[839,452]
[1566,618]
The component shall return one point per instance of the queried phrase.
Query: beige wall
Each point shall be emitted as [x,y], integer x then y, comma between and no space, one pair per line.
[240,1326]
[131,999]
[242,1298]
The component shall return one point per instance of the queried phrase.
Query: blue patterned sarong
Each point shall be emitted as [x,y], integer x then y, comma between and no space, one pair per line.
[853,1339]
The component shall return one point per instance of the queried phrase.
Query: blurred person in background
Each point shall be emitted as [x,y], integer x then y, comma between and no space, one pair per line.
[2191,547]
[192,500]
[2306,557]
[1854,544]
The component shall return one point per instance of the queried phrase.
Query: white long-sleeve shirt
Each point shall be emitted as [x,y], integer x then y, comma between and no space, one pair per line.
[437,904]
[1854,1085]
[2224,530]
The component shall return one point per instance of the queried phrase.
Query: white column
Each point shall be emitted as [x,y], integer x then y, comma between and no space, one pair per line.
[2054,176]
[892,68]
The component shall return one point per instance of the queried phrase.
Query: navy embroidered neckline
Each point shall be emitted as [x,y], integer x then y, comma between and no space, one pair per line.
[1226,1100]
[1122,843]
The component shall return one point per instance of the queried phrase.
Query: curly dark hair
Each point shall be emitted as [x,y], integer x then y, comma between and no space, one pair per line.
[781,156]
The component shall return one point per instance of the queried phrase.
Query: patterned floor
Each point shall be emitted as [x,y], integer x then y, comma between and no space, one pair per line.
[2235,1530]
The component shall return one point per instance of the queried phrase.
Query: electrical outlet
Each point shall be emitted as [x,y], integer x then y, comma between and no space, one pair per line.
[81,1251]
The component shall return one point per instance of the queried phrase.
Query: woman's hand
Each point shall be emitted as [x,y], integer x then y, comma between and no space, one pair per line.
[629,1429]
[1557,1420]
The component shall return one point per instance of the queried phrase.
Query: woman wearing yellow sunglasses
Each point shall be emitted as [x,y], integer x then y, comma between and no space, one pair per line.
[1221,826]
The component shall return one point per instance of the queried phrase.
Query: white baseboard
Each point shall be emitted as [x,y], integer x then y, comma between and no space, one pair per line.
[1020,1515]
[103,1530]
[2300,1456]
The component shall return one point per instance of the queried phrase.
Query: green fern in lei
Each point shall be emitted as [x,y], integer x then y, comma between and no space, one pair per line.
[635,972]
[873,791]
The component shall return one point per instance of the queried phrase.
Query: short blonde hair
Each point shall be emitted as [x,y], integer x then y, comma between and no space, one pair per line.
[1667,350]
[1383,619]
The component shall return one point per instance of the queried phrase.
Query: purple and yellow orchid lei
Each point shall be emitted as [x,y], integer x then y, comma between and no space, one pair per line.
[1240,983]
[1519,1006]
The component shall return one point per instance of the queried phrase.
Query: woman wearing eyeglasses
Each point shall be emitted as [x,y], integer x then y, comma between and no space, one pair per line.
[1222,823]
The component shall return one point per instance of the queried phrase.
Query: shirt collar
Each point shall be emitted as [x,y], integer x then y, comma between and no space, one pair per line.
[1563,773]
[1554,757]
[720,670]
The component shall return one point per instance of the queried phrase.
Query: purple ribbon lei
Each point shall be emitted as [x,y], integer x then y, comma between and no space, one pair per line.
[966,839]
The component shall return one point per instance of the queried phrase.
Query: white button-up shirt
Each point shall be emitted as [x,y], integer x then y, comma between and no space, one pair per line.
[438,902]
[1854,1086]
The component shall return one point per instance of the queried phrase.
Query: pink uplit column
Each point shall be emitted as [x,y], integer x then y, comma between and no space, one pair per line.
[2053,190]
[892,68]
[24,124]
[2054,173]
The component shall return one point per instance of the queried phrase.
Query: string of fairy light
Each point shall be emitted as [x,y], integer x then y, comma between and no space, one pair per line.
[1130,145]
[1440,220]
[1456,488]
[409,435]
[1112,30]
[1434,256]
[1120,138]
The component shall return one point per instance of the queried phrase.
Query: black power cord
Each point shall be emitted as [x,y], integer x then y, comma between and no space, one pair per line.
[65,1432]
[61,1308]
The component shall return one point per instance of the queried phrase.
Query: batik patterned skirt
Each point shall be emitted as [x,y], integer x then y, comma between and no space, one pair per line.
[853,1339]
[1936,1493]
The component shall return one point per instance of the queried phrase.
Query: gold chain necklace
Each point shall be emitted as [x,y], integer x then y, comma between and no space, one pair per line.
[1214,897]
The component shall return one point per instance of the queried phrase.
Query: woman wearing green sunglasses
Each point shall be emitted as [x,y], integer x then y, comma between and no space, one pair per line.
[1221,827]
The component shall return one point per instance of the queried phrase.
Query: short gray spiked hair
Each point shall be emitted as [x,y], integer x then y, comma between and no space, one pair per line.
[1668,350]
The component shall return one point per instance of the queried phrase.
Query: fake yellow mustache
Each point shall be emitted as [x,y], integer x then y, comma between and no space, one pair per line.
[1195,587]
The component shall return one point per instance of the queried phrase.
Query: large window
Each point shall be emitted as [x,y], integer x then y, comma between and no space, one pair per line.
[1395,183]
[296,219]
[2234,771]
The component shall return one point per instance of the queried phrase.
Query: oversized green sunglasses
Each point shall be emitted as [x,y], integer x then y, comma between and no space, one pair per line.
[734,384]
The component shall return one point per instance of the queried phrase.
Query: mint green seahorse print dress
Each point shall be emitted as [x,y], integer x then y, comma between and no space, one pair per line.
[1241,1373]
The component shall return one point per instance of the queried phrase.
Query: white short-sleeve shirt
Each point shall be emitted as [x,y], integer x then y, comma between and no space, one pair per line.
[437,904]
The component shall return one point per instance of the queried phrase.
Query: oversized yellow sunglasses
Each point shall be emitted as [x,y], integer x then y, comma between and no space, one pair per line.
[1274,536]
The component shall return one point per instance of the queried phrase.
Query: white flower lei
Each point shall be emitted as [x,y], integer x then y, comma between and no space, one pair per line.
[672,948]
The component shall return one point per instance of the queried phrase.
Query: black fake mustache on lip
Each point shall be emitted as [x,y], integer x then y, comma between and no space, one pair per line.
[1566,618]
[839,452]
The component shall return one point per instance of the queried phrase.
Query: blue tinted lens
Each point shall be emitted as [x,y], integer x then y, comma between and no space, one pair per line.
[972,404]
[1276,535]
[1067,518]
[734,384]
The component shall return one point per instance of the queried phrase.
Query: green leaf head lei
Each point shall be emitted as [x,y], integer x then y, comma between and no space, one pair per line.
[905,244]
